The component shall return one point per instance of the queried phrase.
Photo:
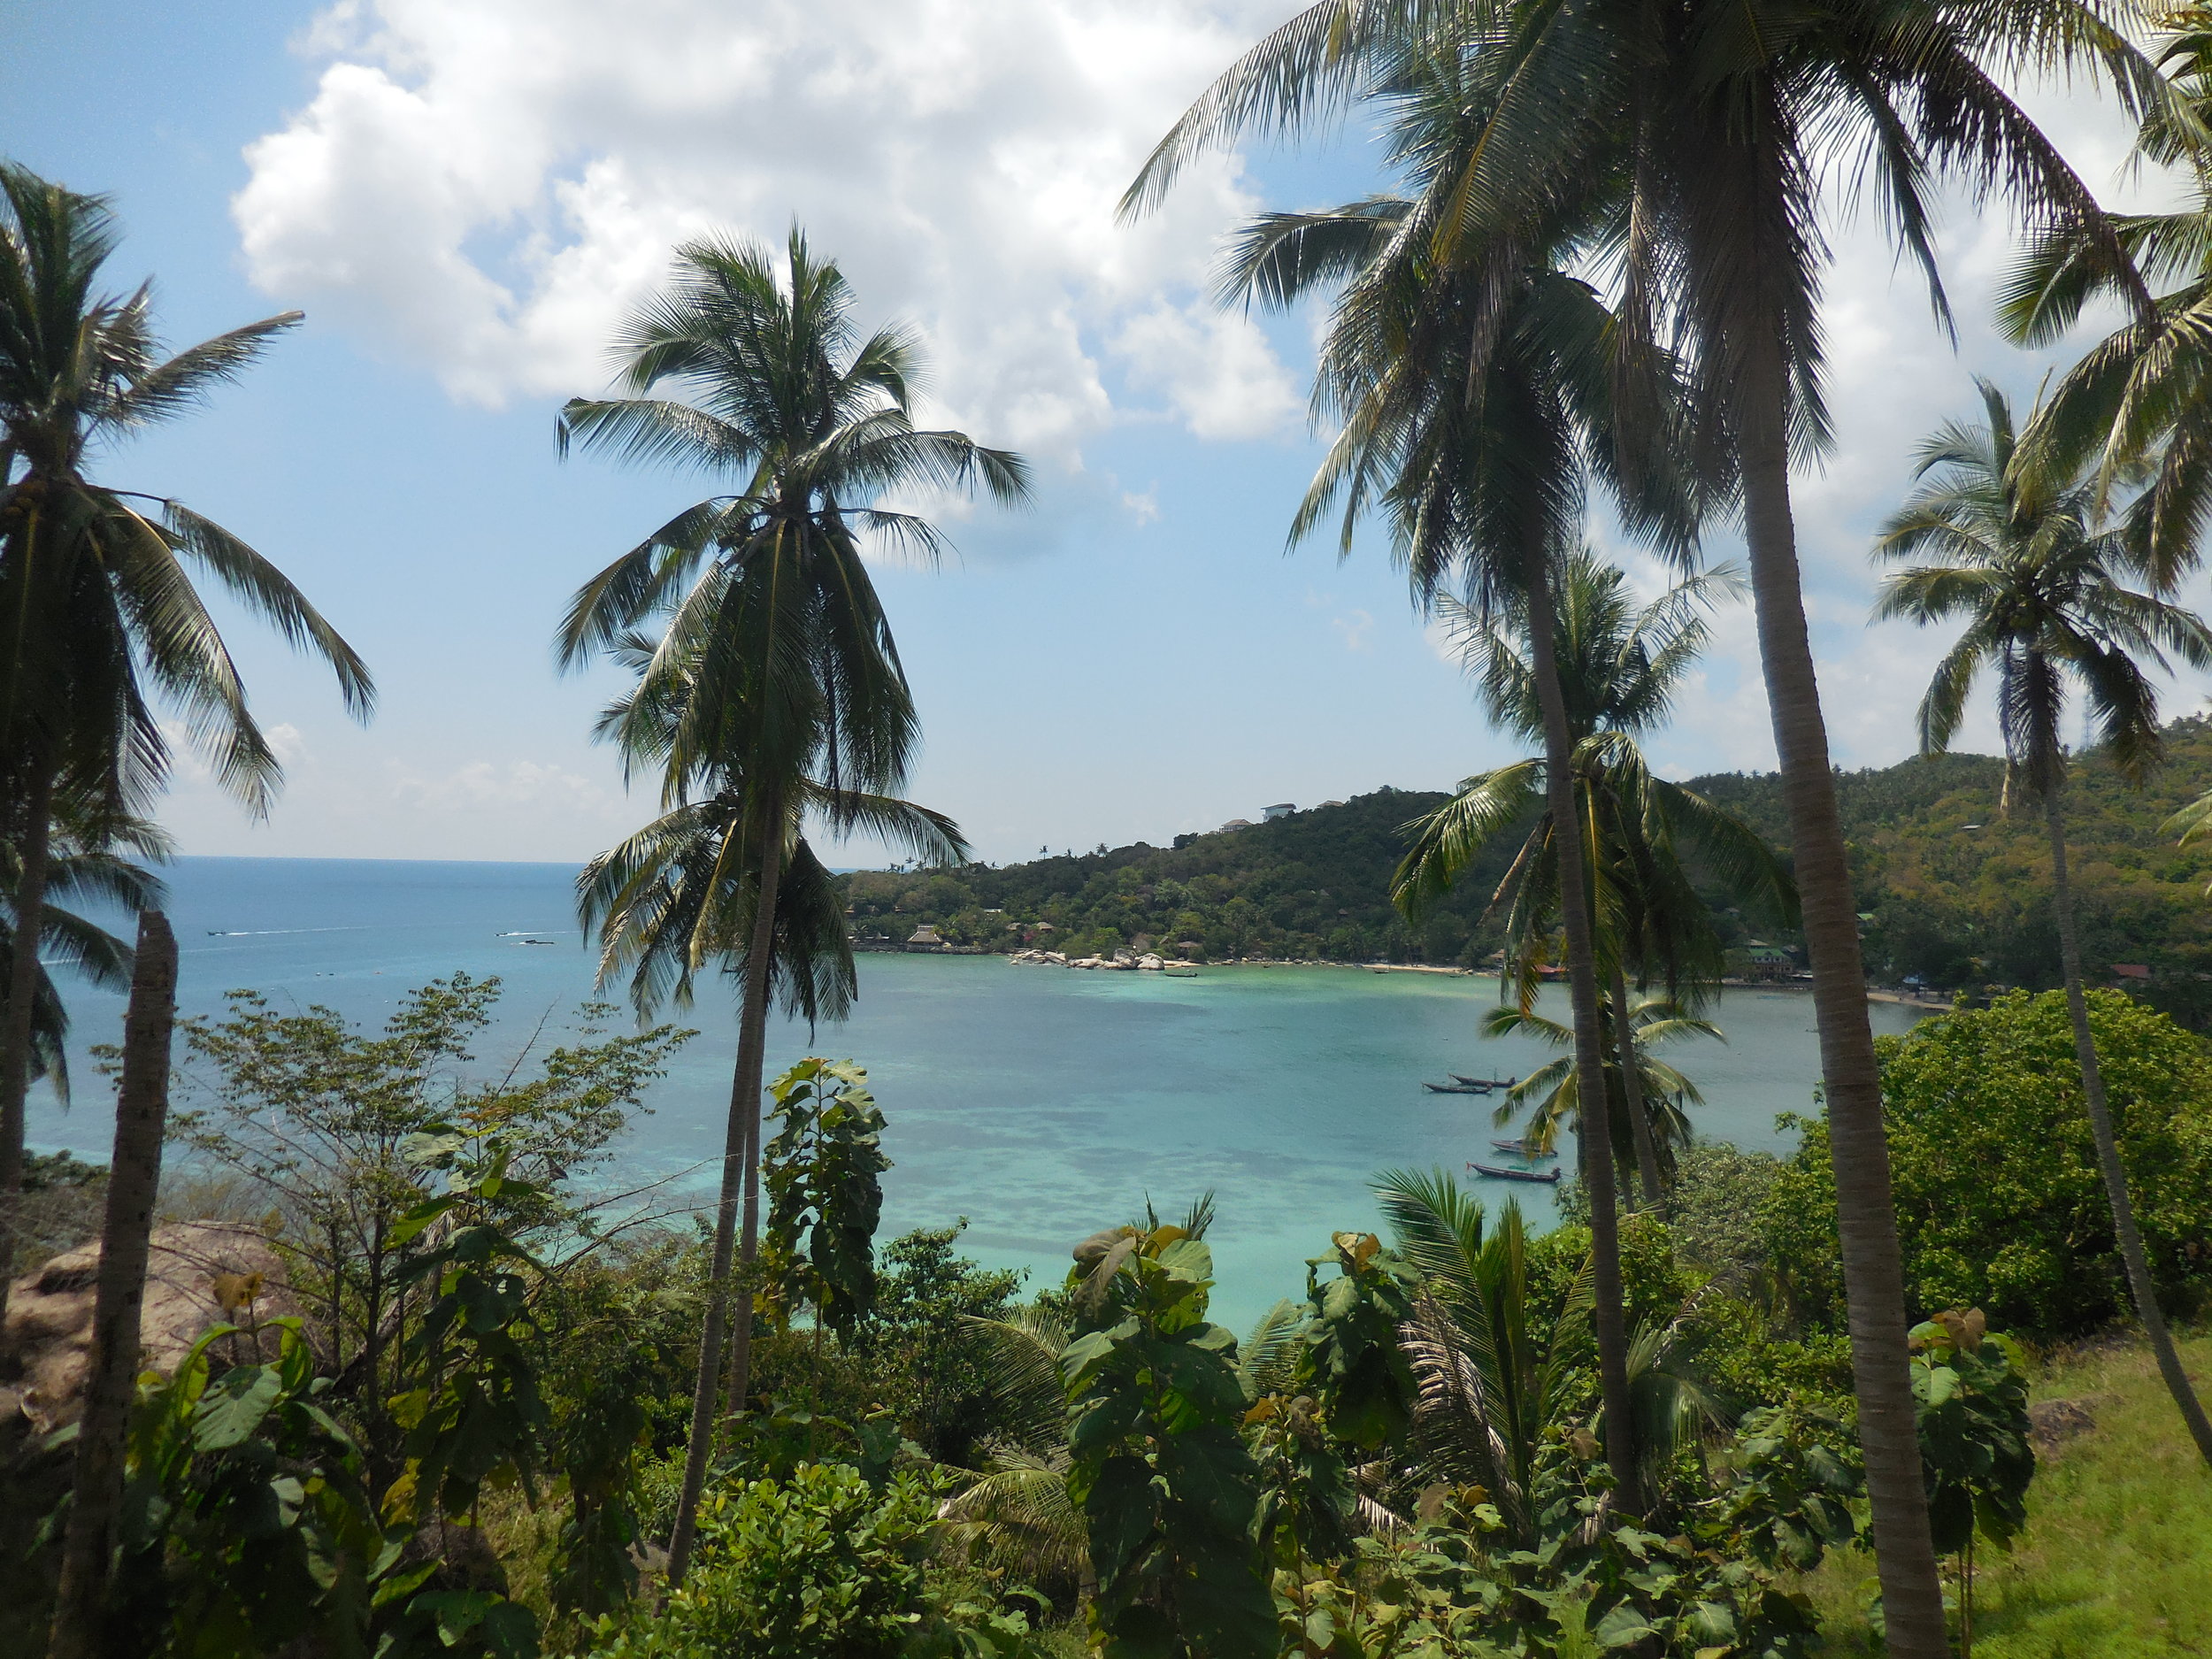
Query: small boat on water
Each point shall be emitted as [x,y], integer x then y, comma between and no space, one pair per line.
[1452,1088]
[1521,1147]
[1548,1178]
[1484,1084]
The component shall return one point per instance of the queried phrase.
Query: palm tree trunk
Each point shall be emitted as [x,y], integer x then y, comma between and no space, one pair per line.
[1873,1271]
[142,1112]
[740,1159]
[2108,1165]
[1594,1143]
[15,1035]
[1632,1091]
[739,1383]
[752,1057]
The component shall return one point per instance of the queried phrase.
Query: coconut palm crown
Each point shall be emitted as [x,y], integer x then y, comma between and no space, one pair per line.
[104,627]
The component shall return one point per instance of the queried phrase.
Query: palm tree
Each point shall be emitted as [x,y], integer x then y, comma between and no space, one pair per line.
[96,582]
[1475,397]
[1620,668]
[84,862]
[1491,1378]
[1649,1115]
[2139,399]
[776,671]
[677,896]
[1701,129]
[2027,561]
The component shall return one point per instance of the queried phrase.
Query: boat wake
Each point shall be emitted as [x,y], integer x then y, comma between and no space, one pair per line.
[270,932]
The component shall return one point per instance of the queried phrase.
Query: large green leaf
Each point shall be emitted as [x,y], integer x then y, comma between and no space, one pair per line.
[234,1406]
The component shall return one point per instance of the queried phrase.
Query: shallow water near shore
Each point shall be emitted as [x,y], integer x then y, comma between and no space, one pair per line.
[1041,1104]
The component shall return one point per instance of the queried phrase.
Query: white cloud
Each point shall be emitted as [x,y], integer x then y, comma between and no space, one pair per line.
[1356,630]
[1217,368]
[483,186]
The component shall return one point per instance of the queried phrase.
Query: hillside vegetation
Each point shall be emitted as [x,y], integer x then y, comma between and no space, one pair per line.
[1956,893]
[2115,1561]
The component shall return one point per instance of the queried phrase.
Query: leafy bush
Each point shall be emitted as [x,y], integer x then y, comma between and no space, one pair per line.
[820,1566]
[921,1350]
[1452,1588]
[1999,1204]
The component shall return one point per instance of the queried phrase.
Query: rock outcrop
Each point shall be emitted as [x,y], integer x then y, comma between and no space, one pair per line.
[198,1272]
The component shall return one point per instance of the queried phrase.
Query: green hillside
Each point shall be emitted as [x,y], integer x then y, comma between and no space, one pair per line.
[1956,894]
[1313,885]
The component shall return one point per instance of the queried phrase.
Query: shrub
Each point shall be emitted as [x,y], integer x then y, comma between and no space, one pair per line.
[1999,1204]
[821,1566]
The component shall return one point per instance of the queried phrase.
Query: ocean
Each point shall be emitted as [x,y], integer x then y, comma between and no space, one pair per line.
[1039,1103]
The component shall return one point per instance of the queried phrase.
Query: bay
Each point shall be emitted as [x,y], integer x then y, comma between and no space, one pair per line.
[1040,1103]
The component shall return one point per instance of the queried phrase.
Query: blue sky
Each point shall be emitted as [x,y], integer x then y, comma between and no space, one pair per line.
[464,196]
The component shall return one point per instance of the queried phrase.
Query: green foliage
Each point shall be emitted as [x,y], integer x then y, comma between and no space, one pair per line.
[821,1565]
[1971,1405]
[1349,1359]
[1714,1207]
[1999,1204]
[349,1136]
[824,1175]
[475,1414]
[249,1527]
[1456,1587]
[1166,1486]
[922,1353]
[1959,893]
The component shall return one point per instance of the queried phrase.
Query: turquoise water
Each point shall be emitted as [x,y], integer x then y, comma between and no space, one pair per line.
[1041,1103]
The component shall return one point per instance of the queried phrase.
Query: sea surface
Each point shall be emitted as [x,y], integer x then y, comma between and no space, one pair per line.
[1039,1103]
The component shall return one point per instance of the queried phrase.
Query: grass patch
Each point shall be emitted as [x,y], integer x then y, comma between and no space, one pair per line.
[2116,1560]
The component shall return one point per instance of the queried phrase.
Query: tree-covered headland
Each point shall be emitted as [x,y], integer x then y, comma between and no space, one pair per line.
[1950,888]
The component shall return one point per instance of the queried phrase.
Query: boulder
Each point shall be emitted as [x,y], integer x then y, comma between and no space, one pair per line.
[1151,964]
[198,1272]
[2051,1422]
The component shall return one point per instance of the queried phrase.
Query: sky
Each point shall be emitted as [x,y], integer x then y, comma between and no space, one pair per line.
[465,197]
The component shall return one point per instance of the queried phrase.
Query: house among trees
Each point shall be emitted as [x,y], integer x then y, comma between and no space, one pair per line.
[1281,809]
[924,938]
[1767,962]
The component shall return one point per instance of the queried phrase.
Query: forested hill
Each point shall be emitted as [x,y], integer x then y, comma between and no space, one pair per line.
[1315,884]
[1958,895]
[1951,904]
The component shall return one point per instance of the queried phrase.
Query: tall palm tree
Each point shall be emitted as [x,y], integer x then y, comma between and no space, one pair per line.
[101,621]
[776,670]
[2028,562]
[1704,129]
[1619,667]
[1477,396]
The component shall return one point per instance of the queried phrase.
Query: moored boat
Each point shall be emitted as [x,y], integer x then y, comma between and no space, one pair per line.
[1521,1146]
[1451,1089]
[1548,1178]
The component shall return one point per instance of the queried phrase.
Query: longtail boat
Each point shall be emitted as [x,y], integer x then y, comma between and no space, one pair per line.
[1521,1146]
[1485,1083]
[1452,1088]
[1548,1177]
